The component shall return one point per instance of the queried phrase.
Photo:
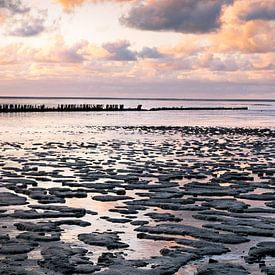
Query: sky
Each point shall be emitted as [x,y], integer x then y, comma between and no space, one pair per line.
[138,48]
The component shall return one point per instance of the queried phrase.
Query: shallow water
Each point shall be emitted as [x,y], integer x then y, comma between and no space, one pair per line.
[260,114]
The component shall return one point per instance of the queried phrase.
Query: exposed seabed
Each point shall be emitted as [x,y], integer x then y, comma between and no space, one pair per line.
[168,200]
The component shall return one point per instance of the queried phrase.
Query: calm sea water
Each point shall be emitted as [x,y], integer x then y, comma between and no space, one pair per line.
[260,114]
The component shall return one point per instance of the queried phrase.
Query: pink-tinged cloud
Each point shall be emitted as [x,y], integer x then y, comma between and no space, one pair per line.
[9,8]
[58,52]
[241,34]
[236,33]
[70,4]
[249,37]
[9,55]
[240,50]
[3,16]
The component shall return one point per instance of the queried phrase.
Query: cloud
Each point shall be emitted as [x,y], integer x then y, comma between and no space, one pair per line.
[238,34]
[28,24]
[14,6]
[235,35]
[71,4]
[247,37]
[20,20]
[58,52]
[147,52]
[9,54]
[84,61]
[3,16]
[186,16]
[119,51]
[259,10]
[9,8]
[92,52]
[241,50]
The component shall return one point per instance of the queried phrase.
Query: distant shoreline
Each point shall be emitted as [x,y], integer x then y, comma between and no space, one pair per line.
[140,98]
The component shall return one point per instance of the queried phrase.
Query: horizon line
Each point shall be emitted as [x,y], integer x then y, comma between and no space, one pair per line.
[135,98]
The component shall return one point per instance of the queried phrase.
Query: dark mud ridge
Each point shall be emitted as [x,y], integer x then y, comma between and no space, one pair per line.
[156,200]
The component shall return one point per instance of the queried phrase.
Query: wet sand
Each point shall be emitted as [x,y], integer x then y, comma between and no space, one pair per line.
[139,200]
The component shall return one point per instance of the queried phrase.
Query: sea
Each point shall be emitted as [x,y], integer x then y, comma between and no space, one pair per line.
[260,114]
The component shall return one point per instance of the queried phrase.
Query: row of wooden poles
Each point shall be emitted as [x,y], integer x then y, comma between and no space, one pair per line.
[13,108]
[63,107]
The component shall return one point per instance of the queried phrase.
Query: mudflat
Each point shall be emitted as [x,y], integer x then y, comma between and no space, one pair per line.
[153,200]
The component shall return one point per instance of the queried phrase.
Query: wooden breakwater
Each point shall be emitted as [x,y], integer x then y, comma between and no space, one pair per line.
[27,108]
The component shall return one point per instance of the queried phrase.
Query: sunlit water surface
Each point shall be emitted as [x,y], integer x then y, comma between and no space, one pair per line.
[52,125]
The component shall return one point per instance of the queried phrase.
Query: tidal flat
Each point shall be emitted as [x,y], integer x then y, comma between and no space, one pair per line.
[139,200]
